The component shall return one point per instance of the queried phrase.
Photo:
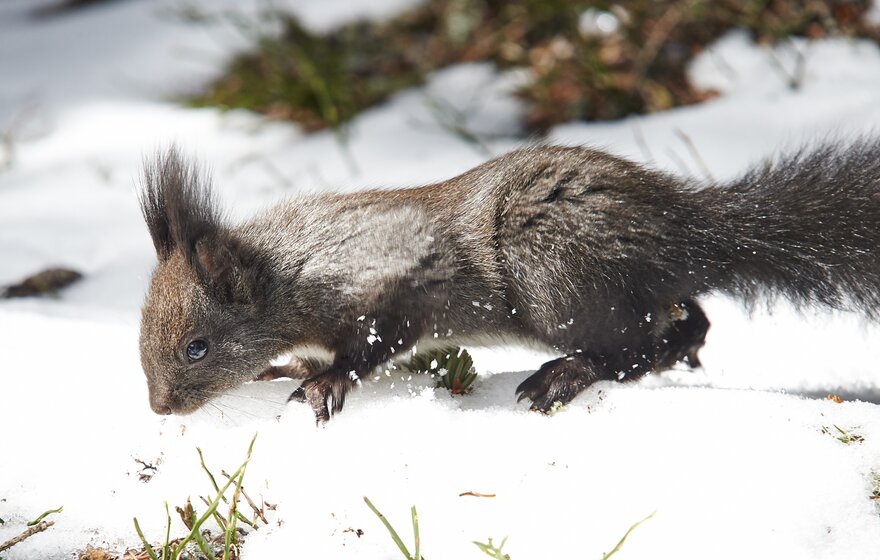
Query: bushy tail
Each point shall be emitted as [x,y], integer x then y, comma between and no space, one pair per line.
[806,227]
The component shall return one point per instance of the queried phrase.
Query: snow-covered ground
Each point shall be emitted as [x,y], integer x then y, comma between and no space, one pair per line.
[733,458]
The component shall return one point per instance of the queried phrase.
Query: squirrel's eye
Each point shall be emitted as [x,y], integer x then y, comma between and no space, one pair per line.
[196,350]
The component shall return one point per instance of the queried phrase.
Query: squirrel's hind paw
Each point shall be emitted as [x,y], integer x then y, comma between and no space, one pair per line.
[556,383]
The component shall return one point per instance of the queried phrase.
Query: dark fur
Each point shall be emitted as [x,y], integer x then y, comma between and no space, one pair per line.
[570,248]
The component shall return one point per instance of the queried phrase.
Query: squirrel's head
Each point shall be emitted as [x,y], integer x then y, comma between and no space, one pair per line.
[203,327]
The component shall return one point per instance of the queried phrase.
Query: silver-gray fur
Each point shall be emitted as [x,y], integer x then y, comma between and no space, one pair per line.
[574,249]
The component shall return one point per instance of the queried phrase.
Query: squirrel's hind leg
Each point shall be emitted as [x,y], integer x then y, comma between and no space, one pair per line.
[684,336]
[559,381]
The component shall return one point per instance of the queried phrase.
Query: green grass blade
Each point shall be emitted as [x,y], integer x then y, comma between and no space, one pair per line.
[229,537]
[394,536]
[418,542]
[241,517]
[491,550]
[217,517]
[622,539]
[44,515]
[212,507]
[147,546]
[195,532]
[203,545]
[211,476]
[167,534]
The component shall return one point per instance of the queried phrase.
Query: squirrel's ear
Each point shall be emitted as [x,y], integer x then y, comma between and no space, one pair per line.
[221,265]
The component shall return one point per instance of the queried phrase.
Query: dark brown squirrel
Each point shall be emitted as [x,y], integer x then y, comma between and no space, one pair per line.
[573,249]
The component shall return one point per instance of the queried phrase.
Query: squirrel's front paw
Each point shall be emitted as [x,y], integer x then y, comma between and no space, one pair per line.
[324,393]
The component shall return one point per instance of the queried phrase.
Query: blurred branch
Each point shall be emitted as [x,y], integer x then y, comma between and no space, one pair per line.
[12,133]
[639,137]
[695,154]
[794,78]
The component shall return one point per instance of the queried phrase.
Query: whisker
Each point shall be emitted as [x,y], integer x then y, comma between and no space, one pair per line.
[226,409]
[217,408]
[252,397]
[284,340]
[230,412]
[227,370]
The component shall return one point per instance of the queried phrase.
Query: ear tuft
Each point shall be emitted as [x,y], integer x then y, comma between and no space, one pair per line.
[182,215]
[177,204]
[153,206]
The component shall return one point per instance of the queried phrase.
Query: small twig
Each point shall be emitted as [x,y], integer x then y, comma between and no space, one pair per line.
[695,154]
[29,532]
[639,137]
[723,66]
[276,174]
[682,166]
[476,494]
[795,78]
[11,134]
[217,517]
[454,121]
[257,511]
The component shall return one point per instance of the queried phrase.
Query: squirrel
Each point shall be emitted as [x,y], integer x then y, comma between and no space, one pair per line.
[596,257]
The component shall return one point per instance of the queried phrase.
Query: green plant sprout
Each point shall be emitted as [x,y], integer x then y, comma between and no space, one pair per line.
[194,522]
[453,367]
[493,551]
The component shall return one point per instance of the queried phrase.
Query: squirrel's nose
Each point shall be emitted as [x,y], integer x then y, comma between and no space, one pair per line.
[160,408]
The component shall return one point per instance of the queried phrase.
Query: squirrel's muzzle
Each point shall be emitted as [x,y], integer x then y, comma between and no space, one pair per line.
[159,406]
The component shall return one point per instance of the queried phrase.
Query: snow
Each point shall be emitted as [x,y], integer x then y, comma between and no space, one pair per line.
[732,458]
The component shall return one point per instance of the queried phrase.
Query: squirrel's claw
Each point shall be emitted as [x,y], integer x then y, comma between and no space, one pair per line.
[315,398]
[321,391]
[299,395]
